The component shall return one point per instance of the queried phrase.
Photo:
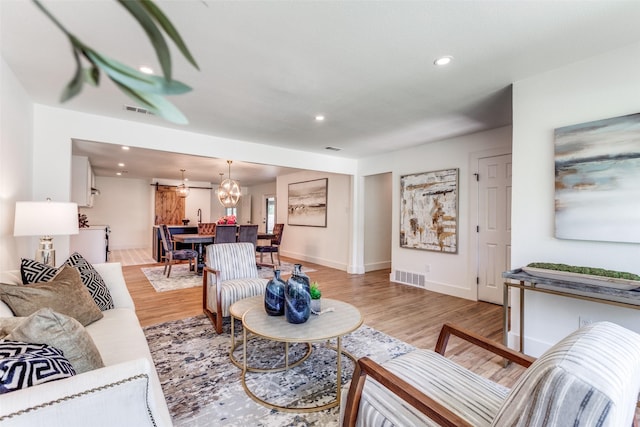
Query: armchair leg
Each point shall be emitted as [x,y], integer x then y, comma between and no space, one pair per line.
[215,318]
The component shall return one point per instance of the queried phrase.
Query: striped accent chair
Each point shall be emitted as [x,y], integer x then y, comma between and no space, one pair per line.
[230,274]
[590,378]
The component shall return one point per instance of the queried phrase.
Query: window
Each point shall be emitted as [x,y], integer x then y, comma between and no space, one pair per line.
[270,209]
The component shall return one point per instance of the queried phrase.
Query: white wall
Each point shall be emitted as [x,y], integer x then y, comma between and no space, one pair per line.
[328,245]
[601,87]
[448,273]
[378,194]
[16,180]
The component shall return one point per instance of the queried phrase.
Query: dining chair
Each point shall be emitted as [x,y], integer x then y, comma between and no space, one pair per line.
[274,247]
[207,228]
[171,254]
[225,234]
[248,233]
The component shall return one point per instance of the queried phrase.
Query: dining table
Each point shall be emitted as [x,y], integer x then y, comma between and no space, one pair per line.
[199,240]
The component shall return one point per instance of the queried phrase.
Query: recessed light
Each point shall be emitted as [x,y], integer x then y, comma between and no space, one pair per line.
[121,165]
[118,173]
[443,60]
[125,148]
[319,118]
[146,70]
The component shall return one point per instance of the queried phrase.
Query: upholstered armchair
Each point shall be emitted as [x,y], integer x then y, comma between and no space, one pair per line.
[230,274]
[590,378]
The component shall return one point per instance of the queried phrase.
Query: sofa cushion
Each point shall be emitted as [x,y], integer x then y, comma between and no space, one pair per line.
[23,365]
[591,377]
[45,326]
[65,294]
[34,271]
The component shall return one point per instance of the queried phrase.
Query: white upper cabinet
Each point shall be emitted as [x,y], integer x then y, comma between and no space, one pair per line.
[82,181]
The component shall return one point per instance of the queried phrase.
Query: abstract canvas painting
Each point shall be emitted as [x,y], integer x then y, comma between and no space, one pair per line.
[429,211]
[597,185]
[307,204]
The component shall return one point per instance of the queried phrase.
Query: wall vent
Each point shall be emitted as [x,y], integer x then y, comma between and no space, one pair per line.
[333,148]
[134,109]
[409,278]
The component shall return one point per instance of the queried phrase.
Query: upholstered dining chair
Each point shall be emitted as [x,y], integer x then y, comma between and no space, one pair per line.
[230,274]
[248,233]
[590,378]
[225,234]
[207,228]
[274,247]
[171,254]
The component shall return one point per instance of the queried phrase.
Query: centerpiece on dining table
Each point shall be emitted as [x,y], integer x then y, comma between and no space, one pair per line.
[227,220]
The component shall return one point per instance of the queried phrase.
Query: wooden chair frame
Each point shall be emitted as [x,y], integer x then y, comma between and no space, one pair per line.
[216,318]
[432,409]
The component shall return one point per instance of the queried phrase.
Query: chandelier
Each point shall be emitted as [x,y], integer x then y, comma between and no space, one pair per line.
[229,190]
[182,189]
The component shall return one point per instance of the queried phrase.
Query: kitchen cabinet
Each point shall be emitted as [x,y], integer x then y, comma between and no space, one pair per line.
[82,181]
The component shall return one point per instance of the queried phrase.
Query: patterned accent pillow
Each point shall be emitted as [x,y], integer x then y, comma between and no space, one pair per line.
[23,365]
[92,280]
[34,272]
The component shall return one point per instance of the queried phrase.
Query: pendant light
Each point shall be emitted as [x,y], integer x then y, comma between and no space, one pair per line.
[229,191]
[182,189]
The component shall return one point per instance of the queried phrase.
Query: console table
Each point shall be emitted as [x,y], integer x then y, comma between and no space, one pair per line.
[594,293]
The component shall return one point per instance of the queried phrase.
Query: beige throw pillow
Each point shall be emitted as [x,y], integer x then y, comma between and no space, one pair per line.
[65,294]
[45,326]
[8,324]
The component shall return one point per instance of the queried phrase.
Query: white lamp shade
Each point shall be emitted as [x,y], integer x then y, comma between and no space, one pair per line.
[45,219]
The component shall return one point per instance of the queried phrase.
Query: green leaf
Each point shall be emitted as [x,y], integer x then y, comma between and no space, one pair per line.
[157,40]
[74,87]
[156,104]
[92,75]
[168,28]
[135,79]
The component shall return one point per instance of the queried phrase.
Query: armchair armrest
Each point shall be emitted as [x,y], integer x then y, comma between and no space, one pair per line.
[401,388]
[482,342]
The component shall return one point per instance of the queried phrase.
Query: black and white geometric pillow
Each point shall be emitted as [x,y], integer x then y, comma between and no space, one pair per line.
[34,272]
[92,280]
[23,365]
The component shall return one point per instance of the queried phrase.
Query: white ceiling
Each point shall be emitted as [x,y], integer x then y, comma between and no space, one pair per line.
[268,67]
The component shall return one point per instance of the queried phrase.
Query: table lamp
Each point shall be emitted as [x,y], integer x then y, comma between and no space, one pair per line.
[46,219]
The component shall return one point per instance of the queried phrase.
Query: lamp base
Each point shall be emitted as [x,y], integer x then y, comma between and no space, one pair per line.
[45,253]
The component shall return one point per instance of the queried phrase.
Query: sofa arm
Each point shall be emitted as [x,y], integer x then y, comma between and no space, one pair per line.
[116,395]
[111,273]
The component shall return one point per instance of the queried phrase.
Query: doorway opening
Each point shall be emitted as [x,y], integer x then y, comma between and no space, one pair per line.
[270,213]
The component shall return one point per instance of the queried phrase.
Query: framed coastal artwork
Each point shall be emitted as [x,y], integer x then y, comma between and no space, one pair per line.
[307,203]
[429,211]
[597,180]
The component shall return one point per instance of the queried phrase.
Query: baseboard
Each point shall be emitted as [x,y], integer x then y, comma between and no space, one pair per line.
[373,266]
[316,260]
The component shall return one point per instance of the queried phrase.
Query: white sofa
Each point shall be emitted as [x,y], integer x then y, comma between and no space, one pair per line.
[126,392]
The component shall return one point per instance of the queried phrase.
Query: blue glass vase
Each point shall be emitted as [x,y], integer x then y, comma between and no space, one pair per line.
[297,297]
[274,295]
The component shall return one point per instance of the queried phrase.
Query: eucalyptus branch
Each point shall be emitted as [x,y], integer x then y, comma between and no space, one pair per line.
[145,89]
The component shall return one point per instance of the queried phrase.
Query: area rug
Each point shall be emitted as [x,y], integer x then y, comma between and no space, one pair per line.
[182,278]
[203,387]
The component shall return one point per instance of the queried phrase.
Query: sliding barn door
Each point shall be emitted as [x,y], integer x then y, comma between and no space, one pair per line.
[169,207]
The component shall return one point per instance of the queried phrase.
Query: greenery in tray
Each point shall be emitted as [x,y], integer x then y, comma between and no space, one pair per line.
[315,291]
[585,270]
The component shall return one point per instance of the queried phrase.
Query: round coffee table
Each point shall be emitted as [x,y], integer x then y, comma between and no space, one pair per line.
[343,319]
[237,310]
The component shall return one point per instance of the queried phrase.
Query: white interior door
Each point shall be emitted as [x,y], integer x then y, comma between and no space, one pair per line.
[494,225]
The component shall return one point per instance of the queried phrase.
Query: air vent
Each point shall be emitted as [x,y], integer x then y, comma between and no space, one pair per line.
[136,109]
[333,148]
[409,278]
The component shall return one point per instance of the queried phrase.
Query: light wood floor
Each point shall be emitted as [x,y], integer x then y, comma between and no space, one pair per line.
[407,313]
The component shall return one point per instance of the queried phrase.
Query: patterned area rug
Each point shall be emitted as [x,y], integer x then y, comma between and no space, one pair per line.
[203,387]
[182,278]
